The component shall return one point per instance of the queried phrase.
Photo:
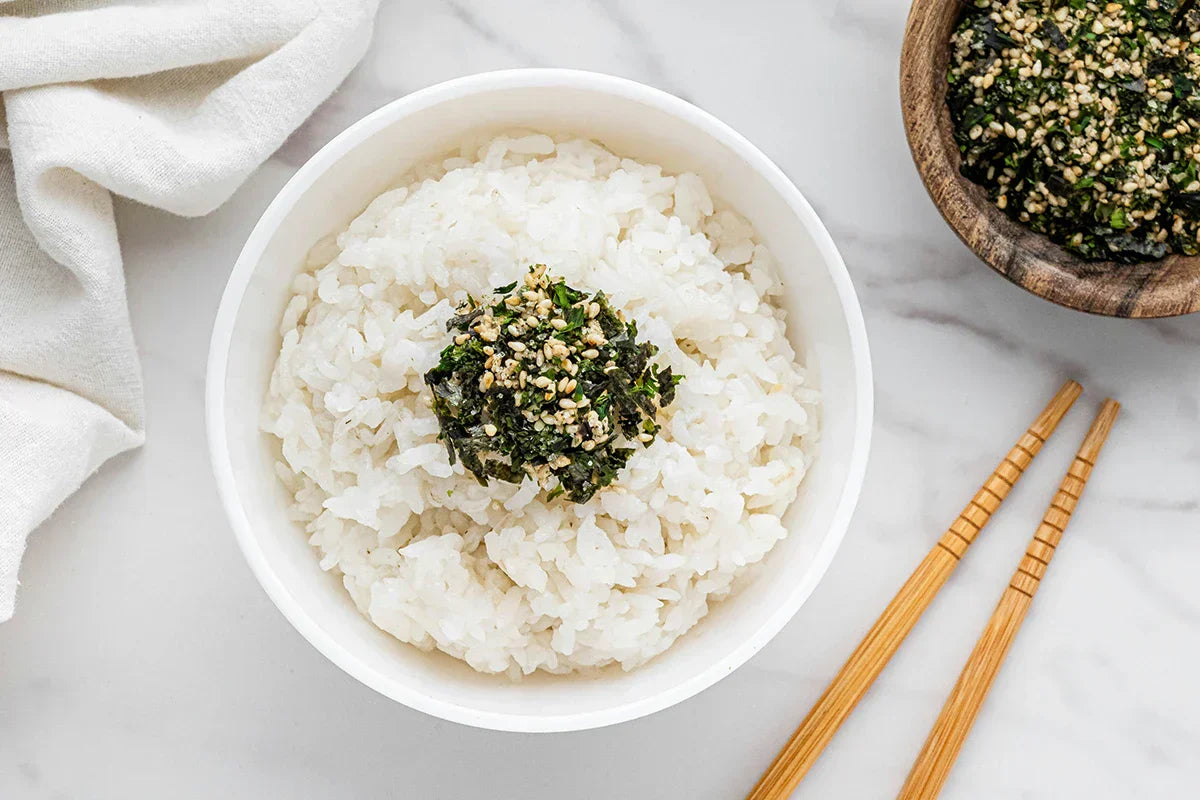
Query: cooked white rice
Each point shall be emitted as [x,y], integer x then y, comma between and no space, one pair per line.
[497,576]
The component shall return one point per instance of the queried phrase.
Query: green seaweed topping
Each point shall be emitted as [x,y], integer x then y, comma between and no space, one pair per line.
[542,379]
[1081,120]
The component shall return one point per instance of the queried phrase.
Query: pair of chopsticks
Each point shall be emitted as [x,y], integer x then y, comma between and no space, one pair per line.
[933,765]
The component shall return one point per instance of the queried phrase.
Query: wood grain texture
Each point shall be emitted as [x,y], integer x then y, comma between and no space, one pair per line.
[937,757]
[1165,288]
[897,620]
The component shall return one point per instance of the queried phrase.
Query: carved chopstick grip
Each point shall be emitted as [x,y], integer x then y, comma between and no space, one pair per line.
[885,636]
[933,765]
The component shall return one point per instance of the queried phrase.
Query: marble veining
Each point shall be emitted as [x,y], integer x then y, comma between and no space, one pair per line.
[144,660]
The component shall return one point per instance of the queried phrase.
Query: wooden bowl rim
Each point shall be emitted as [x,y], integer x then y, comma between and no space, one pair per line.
[1170,287]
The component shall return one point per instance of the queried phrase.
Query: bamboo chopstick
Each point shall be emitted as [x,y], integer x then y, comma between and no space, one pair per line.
[898,619]
[933,765]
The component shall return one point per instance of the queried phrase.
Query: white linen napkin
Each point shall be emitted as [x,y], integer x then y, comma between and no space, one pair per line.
[171,104]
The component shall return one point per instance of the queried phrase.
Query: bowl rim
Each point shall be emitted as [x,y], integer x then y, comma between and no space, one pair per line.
[301,182]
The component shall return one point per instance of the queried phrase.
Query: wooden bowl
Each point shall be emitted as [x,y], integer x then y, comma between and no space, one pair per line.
[1165,288]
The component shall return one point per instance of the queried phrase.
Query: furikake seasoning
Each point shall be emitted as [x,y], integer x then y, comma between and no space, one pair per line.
[544,380]
[1082,120]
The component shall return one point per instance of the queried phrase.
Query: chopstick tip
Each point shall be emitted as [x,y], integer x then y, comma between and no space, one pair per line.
[1099,431]
[1109,410]
[1056,409]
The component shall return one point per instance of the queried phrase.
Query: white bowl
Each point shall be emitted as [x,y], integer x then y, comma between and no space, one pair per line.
[824,322]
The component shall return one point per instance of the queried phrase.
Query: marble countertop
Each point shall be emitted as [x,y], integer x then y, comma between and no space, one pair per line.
[145,661]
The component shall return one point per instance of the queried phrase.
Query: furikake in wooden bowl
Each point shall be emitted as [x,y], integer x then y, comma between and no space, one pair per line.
[1061,140]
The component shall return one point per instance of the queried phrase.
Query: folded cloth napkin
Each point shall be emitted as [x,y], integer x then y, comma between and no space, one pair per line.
[169,103]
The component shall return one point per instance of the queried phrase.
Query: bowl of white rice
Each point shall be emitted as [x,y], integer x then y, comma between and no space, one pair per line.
[501,602]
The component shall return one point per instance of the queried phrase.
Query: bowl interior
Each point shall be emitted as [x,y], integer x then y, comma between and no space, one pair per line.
[329,192]
[1150,289]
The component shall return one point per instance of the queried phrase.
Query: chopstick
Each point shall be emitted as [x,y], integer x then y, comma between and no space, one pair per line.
[898,619]
[933,765]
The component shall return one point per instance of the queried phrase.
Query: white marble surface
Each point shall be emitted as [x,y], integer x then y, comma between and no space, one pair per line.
[144,660]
